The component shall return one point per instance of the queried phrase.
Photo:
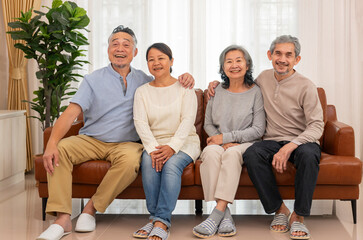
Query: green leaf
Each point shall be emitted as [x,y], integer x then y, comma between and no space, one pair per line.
[60,18]
[68,7]
[69,48]
[35,21]
[62,109]
[27,50]
[28,14]
[17,24]
[19,35]
[41,50]
[83,23]
[40,74]
[71,93]
[74,19]
[56,3]
[58,36]
[39,12]
[79,12]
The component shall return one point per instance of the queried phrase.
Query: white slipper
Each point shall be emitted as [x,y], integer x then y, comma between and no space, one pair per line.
[85,223]
[53,232]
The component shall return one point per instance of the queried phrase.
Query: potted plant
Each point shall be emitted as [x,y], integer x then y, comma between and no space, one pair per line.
[55,43]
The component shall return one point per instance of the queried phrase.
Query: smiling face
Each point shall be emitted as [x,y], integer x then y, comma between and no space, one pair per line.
[283,60]
[235,66]
[159,63]
[121,50]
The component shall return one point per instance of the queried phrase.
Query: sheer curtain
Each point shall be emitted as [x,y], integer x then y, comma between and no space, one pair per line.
[197,31]
[331,34]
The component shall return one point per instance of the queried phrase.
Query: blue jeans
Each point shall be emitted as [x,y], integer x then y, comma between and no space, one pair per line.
[162,188]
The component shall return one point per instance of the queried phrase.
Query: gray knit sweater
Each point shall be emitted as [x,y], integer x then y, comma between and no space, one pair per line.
[240,117]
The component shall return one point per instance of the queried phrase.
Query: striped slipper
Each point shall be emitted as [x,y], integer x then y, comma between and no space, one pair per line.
[227,228]
[281,220]
[299,227]
[210,227]
[159,232]
[144,231]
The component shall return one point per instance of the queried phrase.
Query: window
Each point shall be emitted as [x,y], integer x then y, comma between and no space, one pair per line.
[196,31]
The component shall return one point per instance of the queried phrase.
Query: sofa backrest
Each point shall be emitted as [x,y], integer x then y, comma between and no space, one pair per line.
[199,121]
[322,98]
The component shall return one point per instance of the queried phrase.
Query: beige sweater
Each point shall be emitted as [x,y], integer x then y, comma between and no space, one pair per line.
[293,109]
[166,116]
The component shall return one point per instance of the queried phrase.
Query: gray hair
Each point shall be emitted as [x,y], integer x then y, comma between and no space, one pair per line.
[127,30]
[286,39]
[248,80]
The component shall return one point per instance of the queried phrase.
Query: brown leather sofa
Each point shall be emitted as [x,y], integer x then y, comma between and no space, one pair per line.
[339,176]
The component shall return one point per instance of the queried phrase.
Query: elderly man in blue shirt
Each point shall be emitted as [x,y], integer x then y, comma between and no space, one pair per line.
[106,99]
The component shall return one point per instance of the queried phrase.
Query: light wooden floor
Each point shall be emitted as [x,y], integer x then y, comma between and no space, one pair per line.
[20,218]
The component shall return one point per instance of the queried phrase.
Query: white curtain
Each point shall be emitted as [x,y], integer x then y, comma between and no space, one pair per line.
[196,31]
[331,34]
[329,31]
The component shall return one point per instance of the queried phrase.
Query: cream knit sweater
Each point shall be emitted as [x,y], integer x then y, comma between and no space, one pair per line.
[166,116]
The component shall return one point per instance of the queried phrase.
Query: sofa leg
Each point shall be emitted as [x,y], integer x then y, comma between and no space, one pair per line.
[44,205]
[82,204]
[198,207]
[354,210]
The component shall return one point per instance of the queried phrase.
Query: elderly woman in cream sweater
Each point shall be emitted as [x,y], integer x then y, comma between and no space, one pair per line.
[164,116]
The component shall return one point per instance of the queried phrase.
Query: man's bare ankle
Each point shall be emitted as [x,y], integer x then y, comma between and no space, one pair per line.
[89,208]
[296,218]
[283,209]
[64,220]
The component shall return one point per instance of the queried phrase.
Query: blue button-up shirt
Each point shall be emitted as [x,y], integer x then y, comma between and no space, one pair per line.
[107,111]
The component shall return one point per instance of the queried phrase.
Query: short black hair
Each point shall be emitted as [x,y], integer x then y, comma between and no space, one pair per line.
[162,47]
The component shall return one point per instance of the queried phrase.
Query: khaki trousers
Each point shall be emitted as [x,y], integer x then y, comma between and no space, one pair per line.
[220,171]
[125,160]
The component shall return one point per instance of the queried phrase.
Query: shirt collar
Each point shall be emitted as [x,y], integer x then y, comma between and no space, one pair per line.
[116,74]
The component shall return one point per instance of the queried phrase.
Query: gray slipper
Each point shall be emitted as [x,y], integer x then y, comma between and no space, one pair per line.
[299,227]
[209,227]
[282,220]
[159,232]
[227,227]
[147,229]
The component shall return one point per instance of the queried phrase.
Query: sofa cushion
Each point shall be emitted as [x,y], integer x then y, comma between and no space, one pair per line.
[345,169]
[92,172]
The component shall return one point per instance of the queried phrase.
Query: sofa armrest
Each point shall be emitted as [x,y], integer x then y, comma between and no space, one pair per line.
[338,139]
[76,126]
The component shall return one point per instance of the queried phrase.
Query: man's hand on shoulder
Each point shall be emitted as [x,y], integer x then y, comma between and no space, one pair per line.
[211,87]
[280,159]
[186,80]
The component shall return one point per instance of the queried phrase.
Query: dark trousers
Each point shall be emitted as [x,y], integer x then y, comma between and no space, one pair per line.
[258,159]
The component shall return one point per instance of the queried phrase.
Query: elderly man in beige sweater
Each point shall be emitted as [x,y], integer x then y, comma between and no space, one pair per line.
[294,125]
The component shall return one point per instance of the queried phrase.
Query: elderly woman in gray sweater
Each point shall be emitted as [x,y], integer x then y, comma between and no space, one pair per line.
[234,119]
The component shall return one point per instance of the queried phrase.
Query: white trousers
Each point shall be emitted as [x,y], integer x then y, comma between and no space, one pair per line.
[220,171]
